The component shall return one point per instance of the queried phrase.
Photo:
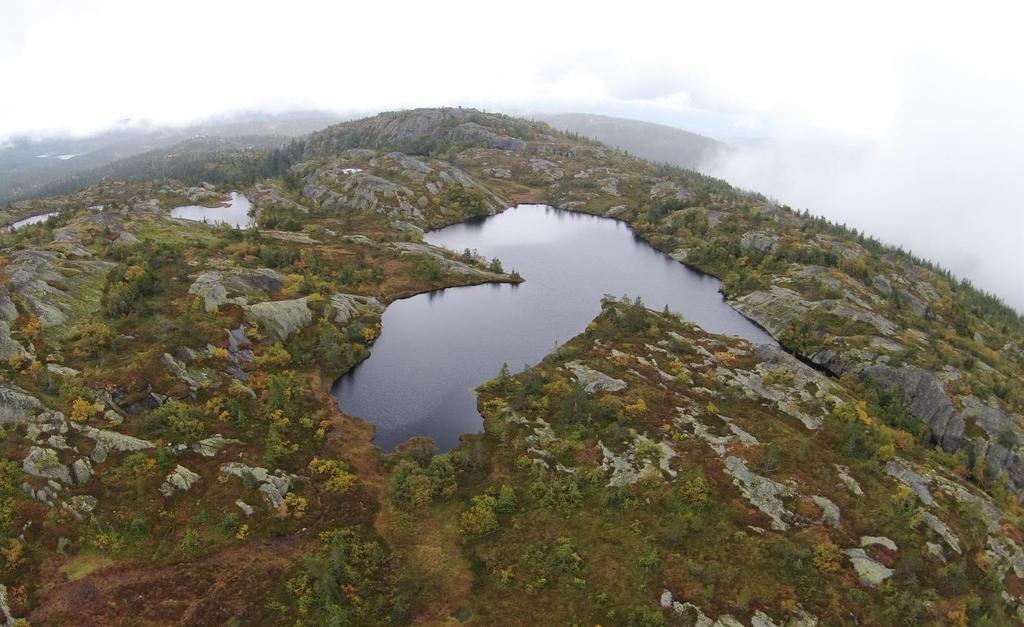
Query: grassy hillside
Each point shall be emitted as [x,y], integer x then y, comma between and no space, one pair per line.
[172,453]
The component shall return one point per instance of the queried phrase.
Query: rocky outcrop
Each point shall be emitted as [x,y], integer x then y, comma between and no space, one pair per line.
[775,309]
[852,484]
[111,442]
[82,470]
[281,318]
[414,131]
[763,493]
[759,241]
[273,486]
[17,406]
[594,381]
[349,306]
[195,378]
[870,572]
[629,467]
[210,446]
[237,285]
[9,347]
[44,462]
[925,398]
[448,265]
[6,618]
[53,287]
[901,471]
[180,479]
[932,521]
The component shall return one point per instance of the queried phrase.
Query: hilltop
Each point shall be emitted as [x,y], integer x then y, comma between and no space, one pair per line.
[659,143]
[173,455]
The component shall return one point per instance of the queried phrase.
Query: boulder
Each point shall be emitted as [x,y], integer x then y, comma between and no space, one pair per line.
[274,487]
[17,406]
[111,441]
[212,445]
[866,541]
[43,462]
[180,479]
[870,572]
[9,347]
[62,371]
[82,470]
[848,480]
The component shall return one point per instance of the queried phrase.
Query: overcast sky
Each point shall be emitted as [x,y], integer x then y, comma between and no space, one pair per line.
[901,118]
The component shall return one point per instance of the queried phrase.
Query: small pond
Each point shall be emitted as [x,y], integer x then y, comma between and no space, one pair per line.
[436,348]
[234,213]
[32,220]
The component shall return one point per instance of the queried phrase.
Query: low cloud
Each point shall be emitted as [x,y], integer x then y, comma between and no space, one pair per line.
[943,181]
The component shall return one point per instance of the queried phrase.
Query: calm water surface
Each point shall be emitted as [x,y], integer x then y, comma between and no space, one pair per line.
[235,213]
[32,220]
[435,348]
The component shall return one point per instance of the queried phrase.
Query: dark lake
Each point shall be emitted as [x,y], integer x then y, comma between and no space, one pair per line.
[436,348]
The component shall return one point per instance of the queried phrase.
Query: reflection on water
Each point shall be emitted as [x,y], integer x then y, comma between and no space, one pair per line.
[234,213]
[435,348]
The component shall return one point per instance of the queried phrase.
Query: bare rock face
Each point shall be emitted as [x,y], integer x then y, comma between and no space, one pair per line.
[593,380]
[925,398]
[281,318]
[763,493]
[53,287]
[348,306]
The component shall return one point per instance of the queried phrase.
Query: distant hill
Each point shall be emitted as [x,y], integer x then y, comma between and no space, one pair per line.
[655,142]
[30,166]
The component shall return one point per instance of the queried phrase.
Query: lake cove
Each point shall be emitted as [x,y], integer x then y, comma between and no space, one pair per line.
[234,213]
[436,348]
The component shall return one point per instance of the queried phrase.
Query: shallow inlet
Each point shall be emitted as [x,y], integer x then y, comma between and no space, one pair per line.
[235,213]
[436,348]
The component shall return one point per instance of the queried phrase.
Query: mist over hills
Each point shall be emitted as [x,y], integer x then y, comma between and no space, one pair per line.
[30,164]
[657,142]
